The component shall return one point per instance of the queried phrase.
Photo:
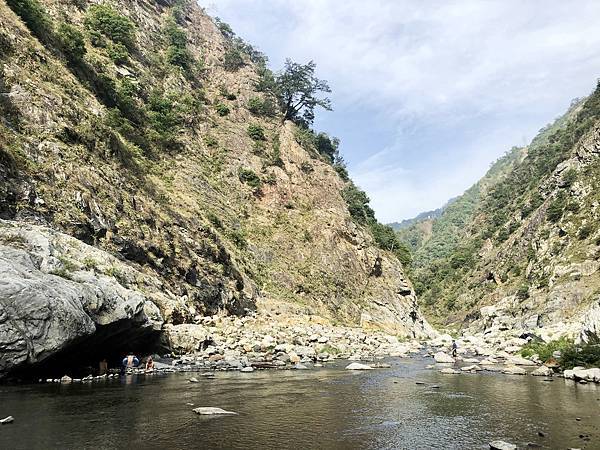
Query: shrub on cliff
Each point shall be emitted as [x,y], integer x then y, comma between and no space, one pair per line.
[35,17]
[105,21]
[262,107]
[233,60]
[358,203]
[256,132]
[177,52]
[71,42]
[250,178]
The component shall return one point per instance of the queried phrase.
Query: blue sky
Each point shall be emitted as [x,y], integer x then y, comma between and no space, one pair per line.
[427,94]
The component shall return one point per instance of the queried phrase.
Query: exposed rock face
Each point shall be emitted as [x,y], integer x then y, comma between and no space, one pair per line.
[182,212]
[163,189]
[50,300]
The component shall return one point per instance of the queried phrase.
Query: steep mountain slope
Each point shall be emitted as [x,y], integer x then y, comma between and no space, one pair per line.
[140,129]
[433,238]
[525,253]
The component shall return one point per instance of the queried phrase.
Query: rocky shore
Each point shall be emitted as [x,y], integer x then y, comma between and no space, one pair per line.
[261,341]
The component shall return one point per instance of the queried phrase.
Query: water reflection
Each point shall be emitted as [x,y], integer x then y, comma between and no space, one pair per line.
[325,408]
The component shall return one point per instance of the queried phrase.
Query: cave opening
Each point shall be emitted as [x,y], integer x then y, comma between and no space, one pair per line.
[82,358]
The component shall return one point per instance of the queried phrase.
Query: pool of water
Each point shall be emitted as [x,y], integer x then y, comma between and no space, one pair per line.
[324,408]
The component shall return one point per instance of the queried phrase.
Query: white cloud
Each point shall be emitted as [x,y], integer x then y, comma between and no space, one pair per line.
[501,68]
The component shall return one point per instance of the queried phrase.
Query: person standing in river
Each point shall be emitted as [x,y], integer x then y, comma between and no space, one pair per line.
[103,367]
[454,348]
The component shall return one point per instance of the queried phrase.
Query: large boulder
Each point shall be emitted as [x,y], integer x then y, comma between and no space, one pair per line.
[514,370]
[543,371]
[441,357]
[581,373]
[186,337]
[49,302]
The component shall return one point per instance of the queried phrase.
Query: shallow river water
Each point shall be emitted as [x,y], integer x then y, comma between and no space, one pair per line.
[326,408]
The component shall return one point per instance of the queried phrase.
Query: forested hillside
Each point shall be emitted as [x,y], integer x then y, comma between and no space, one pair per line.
[525,237]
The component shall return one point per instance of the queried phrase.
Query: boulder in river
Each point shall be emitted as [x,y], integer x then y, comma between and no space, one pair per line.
[501,445]
[542,371]
[6,420]
[194,380]
[212,411]
[441,357]
[581,373]
[514,370]
[247,369]
[520,361]
[358,366]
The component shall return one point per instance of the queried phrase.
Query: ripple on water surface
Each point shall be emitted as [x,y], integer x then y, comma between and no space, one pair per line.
[326,408]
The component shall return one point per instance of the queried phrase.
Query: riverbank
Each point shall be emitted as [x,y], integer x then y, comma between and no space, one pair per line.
[265,341]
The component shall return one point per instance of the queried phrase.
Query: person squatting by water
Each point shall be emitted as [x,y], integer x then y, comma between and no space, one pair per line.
[149,364]
[129,362]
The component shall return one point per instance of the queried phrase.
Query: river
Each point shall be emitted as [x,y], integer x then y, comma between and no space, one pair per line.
[324,408]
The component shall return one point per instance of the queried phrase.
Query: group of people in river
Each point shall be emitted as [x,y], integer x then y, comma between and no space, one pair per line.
[129,362]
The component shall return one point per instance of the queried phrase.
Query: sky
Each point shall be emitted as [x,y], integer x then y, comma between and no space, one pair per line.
[427,94]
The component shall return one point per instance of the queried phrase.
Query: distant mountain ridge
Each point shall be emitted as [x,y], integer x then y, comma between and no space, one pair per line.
[427,215]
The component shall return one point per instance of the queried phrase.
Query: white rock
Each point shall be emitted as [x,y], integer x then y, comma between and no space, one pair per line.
[9,419]
[542,371]
[211,411]
[520,361]
[489,361]
[358,366]
[501,445]
[514,370]
[193,380]
[473,368]
[441,357]
[581,373]
[247,369]
[471,360]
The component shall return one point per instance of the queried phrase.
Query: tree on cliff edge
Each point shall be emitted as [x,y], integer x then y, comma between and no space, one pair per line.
[297,88]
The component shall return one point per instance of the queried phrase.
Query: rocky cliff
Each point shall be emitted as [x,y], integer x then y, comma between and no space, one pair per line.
[145,180]
[525,256]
